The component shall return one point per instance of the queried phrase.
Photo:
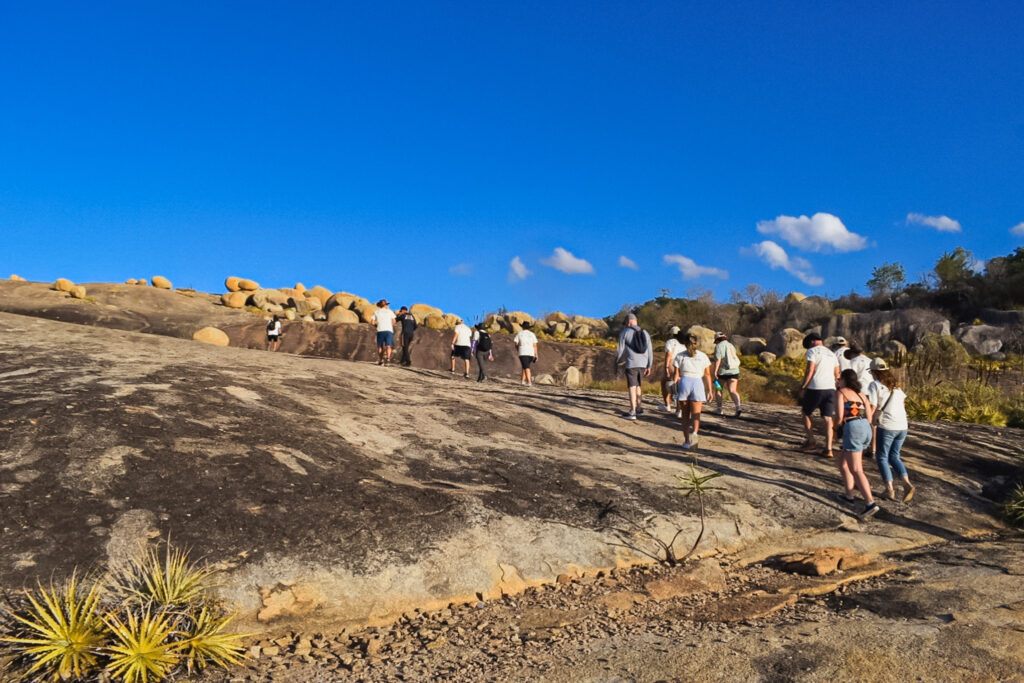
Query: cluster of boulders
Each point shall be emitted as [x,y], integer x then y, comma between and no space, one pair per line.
[158,281]
[62,284]
[557,324]
[320,304]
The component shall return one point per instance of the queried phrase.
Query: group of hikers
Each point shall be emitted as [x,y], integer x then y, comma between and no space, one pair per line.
[858,398]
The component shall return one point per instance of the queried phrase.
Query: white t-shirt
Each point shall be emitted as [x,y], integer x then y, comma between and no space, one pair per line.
[672,347]
[726,352]
[525,341]
[463,334]
[385,319]
[824,377]
[275,329]
[692,366]
[894,417]
[841,358]
[862,366]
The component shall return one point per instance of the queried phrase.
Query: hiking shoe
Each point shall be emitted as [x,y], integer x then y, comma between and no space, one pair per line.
[869,510]
[465,375]
[694,440]
[828,454]
[631,415]
[908,493]
[738,413]
[687,445]
[664,408]
[890,494]
[719,411]
[809,447]
[639,411]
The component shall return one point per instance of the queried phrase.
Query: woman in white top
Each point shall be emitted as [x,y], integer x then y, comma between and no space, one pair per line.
[693,379]
[891,417]
[859,363]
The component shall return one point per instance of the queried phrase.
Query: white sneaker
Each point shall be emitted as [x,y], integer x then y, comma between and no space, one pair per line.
[694,440]
[631,415]
[679,414]
[687,445]
[719,411]
[664,408]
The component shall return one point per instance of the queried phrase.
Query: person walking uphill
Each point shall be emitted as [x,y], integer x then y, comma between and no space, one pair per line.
[693,377]
[408,322]
[854,413]
[384,318]
[727,370]
[526,343]
[891,418]
[274,333]
[636,350]
[482,348]
[462,345]
[818,391]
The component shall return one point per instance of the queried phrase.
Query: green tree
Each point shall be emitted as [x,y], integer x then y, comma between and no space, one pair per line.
[887,280]
[954,269]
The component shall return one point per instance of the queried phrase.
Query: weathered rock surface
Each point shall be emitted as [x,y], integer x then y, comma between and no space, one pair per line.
[787,343]
[873,330]
[981,340]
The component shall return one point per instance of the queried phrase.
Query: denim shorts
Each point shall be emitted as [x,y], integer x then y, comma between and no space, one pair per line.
[385,338]
[856,435]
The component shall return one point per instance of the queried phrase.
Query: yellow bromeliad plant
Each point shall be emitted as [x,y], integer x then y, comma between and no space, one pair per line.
[56,631]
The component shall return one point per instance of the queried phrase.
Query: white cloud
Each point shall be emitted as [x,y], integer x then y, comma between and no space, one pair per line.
[691,271]
[461,269]
[776,257]
[567,263]
[940,223]
[517,270]
[1017,230]
[820,232]
[626,262]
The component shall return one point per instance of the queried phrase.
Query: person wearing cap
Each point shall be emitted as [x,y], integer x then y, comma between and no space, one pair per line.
[839,347]
[891,424]
[636,353]
[859,363]
[527,346]
[462,341]
[408,323]
[384,319]
[668,387]
[727,370]
[818,391]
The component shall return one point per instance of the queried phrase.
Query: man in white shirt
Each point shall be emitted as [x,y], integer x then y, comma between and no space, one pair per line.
[672,347]
[526,345]
[818,391]
[839,347]
[384,319]
[462,341]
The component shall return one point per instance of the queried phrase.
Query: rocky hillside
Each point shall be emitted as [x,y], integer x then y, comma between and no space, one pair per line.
[334,492]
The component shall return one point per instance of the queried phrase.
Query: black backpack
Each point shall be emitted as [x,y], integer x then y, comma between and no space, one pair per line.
[484,343]
[271,325]
[638,342]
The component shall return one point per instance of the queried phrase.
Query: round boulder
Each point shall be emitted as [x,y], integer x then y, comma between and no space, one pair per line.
[366,313]
[705,337]
[766,357]
[234,299]
[62,284]
[787,343]
[450,320]
[17,278]
[895,349]
[340,300]
[572,377]
[78,292]
[581,331]
[142,282]
[211,335]
[754,346]
[304,305]
[794,298]
[556,317]
[160,282]
[131,281]
[299,287]
[423,311]
[248,285]
[321,293]
[434,322]
[980,340]
[231,283]
[342,315]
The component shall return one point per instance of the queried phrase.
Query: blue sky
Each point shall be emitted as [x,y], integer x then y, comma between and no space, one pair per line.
[416,150]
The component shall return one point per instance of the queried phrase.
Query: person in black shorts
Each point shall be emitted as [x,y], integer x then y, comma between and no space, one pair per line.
[408,322]
[274,333]
[819,391]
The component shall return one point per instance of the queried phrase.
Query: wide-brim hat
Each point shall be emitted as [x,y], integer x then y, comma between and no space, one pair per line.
[879,364]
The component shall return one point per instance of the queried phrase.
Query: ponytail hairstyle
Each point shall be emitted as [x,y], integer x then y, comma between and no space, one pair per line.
[691,344]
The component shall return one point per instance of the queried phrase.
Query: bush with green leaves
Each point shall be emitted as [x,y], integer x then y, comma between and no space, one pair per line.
[144,622]
[968,401]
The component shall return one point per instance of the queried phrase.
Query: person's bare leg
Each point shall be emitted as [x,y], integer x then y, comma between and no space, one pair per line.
[843,463]
[829,432]
[861,479]
[388,354]
[808,430]
[685,420]
[695,409]
[734,392]
[453,364]
[467,365]
[529,375]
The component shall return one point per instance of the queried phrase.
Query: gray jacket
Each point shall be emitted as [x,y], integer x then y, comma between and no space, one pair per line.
[634,359]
